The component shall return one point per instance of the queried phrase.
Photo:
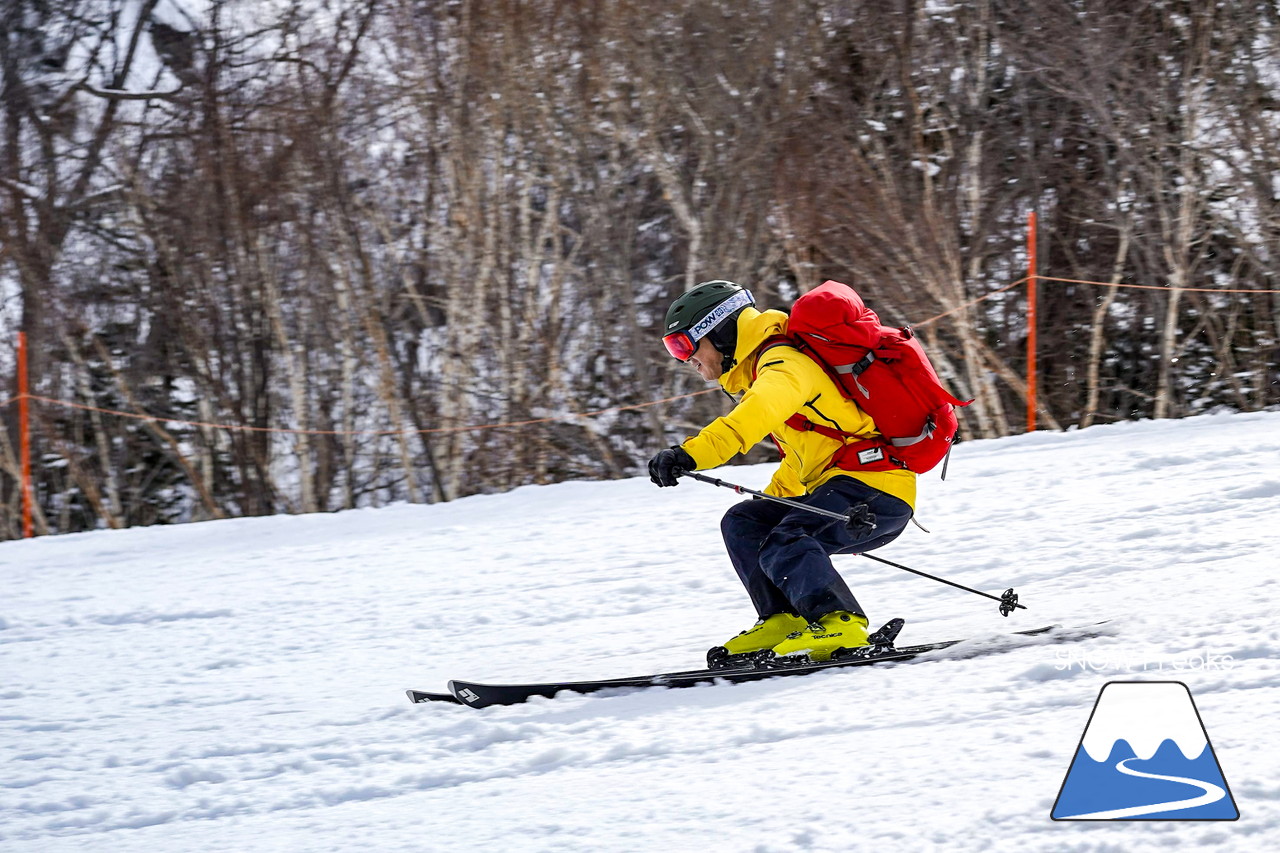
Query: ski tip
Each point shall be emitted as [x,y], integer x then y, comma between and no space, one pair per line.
[418,697]
[462,691]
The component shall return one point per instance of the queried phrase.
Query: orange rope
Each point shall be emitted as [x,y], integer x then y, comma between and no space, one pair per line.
[1085,281]
[1154,286]
[245,428]
[970,302]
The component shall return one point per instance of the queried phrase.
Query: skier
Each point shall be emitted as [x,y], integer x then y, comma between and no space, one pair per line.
[781,554]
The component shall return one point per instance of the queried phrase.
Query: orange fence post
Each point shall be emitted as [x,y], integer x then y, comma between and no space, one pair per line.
[24,435]
[1031,322]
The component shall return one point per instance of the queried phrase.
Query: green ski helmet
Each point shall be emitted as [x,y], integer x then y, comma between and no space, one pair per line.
[709,310]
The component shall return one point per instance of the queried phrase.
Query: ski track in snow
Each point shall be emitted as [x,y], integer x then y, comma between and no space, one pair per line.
[237,685]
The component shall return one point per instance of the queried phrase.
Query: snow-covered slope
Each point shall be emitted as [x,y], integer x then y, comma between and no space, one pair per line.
[237,685]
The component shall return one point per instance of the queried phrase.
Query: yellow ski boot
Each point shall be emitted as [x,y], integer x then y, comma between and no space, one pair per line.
[816,642]
[764,635]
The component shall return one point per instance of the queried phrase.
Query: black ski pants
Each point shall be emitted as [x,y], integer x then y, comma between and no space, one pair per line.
[782,554]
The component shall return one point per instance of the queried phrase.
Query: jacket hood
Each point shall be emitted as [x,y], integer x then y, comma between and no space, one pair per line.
[754,327]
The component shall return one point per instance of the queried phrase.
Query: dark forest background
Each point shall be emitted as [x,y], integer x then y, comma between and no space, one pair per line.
[374,219]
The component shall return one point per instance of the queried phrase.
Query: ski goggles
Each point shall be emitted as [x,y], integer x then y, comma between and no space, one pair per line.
[683,344]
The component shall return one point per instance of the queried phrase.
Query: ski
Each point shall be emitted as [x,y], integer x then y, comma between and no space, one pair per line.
[416,696]
[477,695]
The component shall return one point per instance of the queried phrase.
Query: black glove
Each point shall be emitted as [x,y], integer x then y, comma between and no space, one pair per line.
[667,465]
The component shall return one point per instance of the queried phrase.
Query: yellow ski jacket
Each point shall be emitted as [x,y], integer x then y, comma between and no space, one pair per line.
[786,382]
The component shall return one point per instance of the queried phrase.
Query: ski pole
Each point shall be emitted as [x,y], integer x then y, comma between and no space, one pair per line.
[744,490]
[1008,600]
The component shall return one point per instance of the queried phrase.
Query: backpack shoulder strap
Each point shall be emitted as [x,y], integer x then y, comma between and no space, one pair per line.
[769,343]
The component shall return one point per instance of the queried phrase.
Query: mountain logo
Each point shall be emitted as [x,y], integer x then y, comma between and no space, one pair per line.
[1145,755]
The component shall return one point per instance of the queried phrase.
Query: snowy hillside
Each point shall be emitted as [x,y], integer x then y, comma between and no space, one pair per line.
[238,685]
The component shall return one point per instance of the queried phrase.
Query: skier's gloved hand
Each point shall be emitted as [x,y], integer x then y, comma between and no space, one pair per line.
[667,465]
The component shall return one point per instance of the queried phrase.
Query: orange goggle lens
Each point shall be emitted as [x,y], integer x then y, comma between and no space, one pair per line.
[680,345]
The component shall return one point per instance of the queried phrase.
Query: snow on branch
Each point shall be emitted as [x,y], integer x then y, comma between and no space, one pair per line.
[121,95]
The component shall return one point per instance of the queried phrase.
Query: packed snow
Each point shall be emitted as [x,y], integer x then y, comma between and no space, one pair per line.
[238,685]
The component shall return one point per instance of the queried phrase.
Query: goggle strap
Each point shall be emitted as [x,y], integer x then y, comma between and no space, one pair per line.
[716,315]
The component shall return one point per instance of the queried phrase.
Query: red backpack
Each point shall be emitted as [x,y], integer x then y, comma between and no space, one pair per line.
[882,369]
